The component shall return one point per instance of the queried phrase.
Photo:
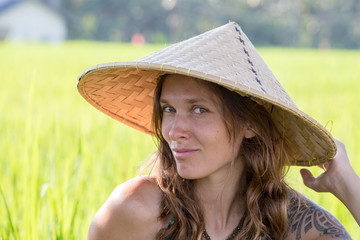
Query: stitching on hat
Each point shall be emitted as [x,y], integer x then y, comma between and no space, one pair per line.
[234,85]
[249,60]
[205,76]
[246,52]
[247,92]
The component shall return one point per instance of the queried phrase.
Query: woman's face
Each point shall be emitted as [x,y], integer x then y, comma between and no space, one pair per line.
[195,130]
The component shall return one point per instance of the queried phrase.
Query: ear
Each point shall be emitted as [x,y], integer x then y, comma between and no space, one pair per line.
[248,131]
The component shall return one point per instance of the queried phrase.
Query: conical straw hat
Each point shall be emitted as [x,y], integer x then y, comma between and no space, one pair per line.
[225,56]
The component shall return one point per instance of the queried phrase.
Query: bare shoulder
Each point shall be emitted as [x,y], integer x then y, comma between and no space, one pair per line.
[308,220]
[131,212]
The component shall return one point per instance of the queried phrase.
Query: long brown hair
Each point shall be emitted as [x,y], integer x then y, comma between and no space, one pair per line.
[266,194]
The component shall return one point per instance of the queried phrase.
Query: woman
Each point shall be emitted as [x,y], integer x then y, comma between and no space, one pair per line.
[226,131]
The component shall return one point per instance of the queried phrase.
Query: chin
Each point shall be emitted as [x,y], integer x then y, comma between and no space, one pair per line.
[186,176]
[189,175]
[189,172]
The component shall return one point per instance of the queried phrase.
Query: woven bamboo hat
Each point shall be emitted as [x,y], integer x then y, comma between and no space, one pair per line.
[225,56]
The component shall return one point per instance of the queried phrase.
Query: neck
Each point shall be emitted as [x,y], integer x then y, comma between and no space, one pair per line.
[220,198]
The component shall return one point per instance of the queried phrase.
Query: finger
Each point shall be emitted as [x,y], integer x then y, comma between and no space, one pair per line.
[327,164]
[339,144]
[341,156]
[324,166]
[308,178]
[340,148]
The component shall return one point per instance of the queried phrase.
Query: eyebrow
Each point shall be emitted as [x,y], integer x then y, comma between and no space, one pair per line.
[190,100]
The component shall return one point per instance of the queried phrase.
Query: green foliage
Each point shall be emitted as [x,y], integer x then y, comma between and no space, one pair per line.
[60,158]
[300,23]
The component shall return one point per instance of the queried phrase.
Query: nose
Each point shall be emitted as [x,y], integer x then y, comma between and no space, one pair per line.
[179,128]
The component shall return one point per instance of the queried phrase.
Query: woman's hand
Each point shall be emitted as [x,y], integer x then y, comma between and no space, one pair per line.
[336,171]
[339,178]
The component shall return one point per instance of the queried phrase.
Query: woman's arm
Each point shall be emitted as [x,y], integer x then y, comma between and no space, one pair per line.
[308,221]
[340,179]
[131,212]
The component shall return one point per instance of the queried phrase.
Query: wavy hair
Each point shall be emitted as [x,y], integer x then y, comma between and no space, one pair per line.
[266,194]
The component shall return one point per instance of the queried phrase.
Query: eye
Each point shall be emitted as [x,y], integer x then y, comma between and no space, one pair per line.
[168,109]
[200,110]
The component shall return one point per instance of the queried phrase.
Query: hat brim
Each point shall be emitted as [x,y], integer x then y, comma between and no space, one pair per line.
[124,91]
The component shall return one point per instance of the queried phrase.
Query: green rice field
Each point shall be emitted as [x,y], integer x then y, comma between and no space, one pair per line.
[60,158]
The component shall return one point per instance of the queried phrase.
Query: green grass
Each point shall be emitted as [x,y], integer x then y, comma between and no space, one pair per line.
[60,158]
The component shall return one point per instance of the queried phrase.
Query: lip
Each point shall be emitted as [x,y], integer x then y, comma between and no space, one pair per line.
[182,153]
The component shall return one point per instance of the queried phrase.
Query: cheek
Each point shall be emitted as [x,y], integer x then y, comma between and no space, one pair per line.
[165,130]
[232,145]
[217,140]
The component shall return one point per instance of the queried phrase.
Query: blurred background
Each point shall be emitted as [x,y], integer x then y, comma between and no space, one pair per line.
[60,158]
[295,23]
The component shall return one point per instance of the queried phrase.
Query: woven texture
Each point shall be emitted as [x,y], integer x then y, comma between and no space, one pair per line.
[124,90]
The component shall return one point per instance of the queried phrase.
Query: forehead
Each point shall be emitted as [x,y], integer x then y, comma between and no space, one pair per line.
[179,85]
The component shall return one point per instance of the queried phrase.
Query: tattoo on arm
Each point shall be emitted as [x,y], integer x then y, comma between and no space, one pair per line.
[308,216]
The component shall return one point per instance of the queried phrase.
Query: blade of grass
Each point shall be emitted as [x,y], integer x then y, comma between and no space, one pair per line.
[12,227]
